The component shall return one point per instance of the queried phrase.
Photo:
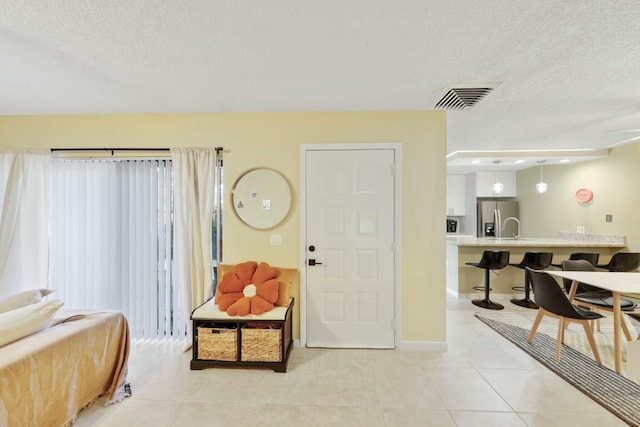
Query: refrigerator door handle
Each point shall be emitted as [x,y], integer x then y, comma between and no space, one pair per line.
[498,226]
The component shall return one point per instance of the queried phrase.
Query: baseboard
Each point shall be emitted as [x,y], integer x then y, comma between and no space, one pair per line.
[410,345]
[423,345]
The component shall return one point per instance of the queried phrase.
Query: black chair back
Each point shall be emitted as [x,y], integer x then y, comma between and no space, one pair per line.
[537,260]
[549,295]
[623,261]
[592,257]
[494,260]
[578,265]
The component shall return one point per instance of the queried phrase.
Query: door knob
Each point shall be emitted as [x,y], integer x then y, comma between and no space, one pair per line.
[314,262]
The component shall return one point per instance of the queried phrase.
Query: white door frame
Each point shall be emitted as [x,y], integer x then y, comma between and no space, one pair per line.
[397,226]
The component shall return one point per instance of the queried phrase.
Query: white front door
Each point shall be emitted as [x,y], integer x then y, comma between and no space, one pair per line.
[350,248]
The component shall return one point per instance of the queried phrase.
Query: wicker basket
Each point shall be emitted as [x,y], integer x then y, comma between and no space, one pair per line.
[217,342]
[261,343]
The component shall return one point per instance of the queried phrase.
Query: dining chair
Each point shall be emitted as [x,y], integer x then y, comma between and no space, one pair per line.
[592,297]
[636,317]
[553,302]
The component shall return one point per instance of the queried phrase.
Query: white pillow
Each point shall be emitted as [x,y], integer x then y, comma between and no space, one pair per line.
[23,298]
[27,320]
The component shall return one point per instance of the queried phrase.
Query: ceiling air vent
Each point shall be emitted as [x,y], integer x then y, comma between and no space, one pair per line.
[459,98]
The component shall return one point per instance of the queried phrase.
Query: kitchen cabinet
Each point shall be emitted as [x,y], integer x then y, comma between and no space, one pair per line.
[485,181]
[456,195]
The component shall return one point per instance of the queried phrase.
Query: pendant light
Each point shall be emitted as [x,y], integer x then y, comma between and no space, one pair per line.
[497,185]
[541,187]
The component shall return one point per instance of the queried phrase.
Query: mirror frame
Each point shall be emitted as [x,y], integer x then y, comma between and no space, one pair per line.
[262,198]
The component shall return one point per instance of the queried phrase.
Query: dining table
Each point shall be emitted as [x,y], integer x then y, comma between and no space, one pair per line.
[616,282]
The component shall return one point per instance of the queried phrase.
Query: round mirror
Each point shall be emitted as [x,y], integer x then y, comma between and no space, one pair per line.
[261,198]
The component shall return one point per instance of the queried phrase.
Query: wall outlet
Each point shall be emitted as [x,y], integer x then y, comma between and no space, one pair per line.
[276,240]
[608,218]
[580,229]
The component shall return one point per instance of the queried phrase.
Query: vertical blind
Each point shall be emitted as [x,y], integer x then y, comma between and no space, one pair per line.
[111,242]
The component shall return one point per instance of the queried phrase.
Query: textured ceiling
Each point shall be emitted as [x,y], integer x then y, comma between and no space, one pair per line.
[568,71]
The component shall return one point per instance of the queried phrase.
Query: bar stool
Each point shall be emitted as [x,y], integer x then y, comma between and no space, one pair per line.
[622,261]
[592,257]
[535,261]
[490,260]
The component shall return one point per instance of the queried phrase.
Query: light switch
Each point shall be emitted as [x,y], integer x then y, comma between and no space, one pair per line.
[580,229]
[608,218]
[276,240]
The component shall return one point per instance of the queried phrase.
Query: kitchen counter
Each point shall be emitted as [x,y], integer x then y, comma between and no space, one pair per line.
[494,242]
[461,278]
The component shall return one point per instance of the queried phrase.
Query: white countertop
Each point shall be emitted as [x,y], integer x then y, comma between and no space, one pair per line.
[530,242]
[623,282]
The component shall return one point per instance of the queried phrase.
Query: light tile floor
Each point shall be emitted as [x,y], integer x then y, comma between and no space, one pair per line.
[482,380]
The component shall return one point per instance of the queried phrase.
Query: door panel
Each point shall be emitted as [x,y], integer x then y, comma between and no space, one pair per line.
[350,289]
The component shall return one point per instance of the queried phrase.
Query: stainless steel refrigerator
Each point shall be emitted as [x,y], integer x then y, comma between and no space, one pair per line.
[492,214]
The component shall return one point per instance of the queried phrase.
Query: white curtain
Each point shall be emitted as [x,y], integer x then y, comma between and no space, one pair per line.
[111,242]
[194,172]
[24,204]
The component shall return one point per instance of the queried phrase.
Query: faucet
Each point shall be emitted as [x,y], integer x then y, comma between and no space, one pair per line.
[517,234]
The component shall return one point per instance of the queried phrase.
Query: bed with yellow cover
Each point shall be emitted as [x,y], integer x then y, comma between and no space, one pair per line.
[46,378]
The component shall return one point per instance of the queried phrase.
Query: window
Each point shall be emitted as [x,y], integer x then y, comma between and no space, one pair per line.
[111,237]
[111,242]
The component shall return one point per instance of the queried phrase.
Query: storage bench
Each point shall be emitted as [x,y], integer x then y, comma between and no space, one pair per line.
[259,341]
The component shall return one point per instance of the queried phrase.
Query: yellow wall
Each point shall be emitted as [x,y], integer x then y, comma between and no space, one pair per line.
[612,179]
[273,139]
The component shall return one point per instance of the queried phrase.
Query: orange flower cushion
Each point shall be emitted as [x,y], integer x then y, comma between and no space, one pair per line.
[263,273]
[245,271]
[249,288]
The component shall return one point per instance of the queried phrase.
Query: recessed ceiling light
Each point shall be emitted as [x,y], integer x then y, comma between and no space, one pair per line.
[565,161]
[517,162]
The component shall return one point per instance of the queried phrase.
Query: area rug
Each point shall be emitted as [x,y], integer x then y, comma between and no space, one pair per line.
[574,334]
[616,393]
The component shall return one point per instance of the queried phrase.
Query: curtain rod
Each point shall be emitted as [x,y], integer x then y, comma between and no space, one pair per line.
[218,149]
